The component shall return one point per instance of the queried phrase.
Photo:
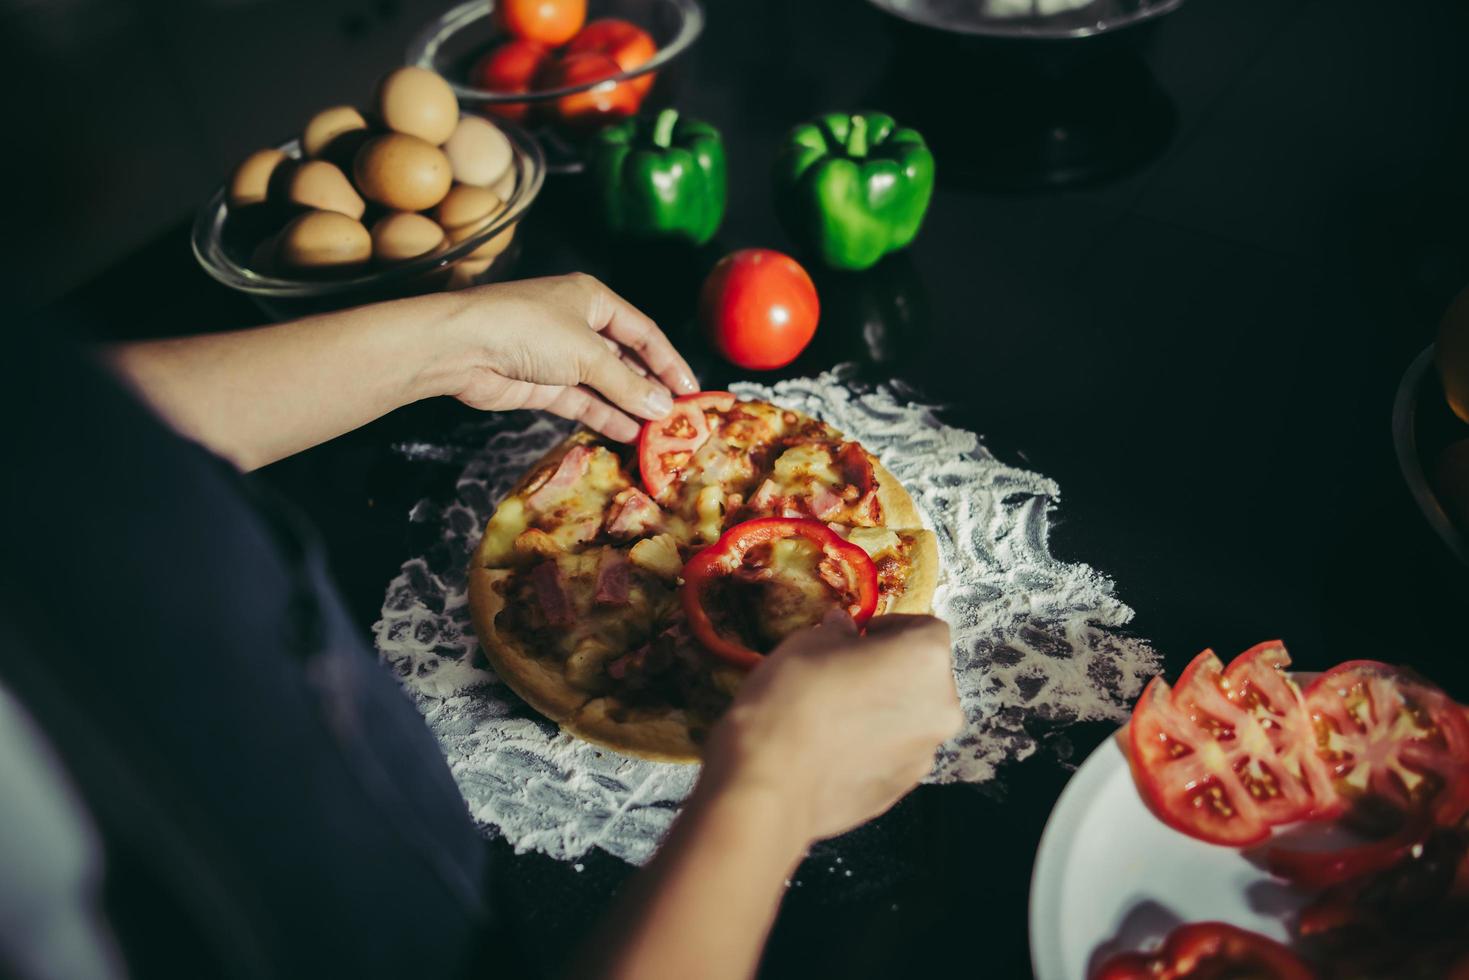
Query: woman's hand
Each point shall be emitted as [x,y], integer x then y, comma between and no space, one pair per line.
[826,734]
[569,345]
[838,726]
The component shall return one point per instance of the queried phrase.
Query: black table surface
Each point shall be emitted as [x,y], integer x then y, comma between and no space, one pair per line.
[1201,350]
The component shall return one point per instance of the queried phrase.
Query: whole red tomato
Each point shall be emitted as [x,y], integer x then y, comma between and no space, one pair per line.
[552,22]
[624,42]
[760,308]
[511,67]
[594,106]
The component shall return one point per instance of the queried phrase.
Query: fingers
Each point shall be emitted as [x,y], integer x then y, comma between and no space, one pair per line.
[615,317]
[585,407]
[624,387]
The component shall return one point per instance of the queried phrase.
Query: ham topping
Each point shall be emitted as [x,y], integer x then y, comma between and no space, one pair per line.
[825,505]
[633,514]
[612,578]
[550,588]
[573,467]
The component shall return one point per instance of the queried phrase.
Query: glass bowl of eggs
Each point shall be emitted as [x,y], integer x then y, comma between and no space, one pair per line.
[563,68]
[411,196]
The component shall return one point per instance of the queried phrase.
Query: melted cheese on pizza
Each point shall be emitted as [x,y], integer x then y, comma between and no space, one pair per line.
[561,509]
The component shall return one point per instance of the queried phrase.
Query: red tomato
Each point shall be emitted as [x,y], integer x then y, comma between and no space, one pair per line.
[1210,951]
[510,68]
[1258,681]
[552,22]
[760,308]
[845,568]
[594,106]
[666,445]
[625,43]
[1322,869]
[1226,754]
[1389,735]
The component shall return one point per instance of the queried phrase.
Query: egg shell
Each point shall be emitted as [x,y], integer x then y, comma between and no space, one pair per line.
[466,271]
[323,240]
[322,186]
[505,186]
[403,173]
[250,183]
[404,235]
[327,125]
[479,152]
[417,102]
[466,211]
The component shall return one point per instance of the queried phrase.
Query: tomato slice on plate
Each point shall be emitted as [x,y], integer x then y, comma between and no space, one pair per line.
[844,567]
[1225,755]
[1210,951]
[666,445]
[1186,776]
[1258,681]
[1386,734]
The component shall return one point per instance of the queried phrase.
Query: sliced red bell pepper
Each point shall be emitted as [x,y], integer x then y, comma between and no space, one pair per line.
[726,556]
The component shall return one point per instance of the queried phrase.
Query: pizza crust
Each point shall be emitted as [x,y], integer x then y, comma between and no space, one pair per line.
[663,736]
[923,573]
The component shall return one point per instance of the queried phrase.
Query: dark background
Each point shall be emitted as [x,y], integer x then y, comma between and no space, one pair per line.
[1202,350]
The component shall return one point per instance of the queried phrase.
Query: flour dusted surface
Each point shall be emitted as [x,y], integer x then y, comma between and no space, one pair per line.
[1035,639]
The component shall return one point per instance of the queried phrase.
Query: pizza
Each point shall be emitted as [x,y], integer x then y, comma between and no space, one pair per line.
[625,592]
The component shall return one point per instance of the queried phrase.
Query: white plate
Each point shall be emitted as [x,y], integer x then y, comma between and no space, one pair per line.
[1109,876]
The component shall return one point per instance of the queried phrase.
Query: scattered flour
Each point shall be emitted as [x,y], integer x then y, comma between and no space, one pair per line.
[1036,641]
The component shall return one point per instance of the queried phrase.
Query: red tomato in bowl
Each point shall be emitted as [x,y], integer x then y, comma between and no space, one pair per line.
[511,67]
[591,107]
[552,22]
[760,308]
[622,41]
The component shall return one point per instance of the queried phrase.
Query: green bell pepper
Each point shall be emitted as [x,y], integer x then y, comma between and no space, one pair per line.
[660,178]
[851,189]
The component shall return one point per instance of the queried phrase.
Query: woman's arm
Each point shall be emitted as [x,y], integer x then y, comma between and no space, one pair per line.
[566,344]
[831,731]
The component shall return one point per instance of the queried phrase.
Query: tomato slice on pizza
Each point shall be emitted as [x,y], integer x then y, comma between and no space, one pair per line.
[666,446]
[766,578]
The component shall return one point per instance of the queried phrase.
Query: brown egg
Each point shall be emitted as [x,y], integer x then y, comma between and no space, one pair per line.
[505,186]
[417,102]
[1452,354]
[250,183]
[403,173]
[262,257]
[322,186]
[479,153]
[466,211]
[323,240]
[466,272]
[404,235]
[327,125]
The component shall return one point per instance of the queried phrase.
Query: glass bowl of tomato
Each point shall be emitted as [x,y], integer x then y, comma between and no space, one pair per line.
[226,242]
[559,67]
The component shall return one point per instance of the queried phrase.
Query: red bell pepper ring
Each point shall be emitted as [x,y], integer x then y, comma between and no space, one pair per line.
[729,553]
[1209,949]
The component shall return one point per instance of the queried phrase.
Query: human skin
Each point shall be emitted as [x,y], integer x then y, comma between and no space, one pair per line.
[565,344]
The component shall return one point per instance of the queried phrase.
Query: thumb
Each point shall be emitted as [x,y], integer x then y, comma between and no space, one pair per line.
[620,384]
